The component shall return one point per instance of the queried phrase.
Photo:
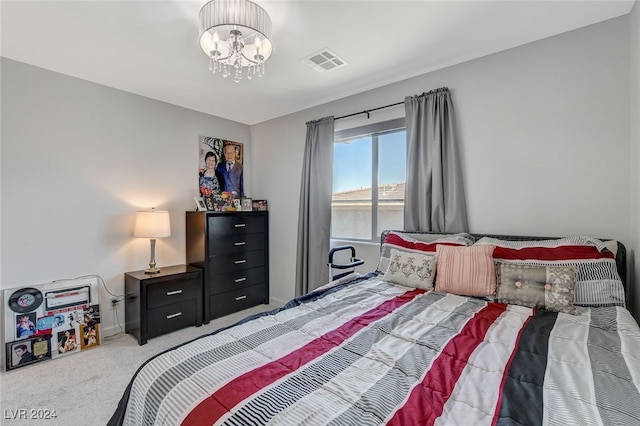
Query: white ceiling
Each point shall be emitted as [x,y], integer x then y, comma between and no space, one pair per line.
[151,47]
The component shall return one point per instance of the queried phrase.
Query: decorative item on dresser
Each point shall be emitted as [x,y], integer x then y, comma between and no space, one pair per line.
[233,250]
[163,302]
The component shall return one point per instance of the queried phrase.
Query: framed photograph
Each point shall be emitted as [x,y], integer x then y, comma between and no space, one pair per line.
[67,341]
[28,351]
[25,325]
[259,205]
[246,205]
[202,207]
[220,166]
[90,336]
[236,204]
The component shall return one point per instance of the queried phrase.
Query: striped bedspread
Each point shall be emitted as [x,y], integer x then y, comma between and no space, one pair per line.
[369,352]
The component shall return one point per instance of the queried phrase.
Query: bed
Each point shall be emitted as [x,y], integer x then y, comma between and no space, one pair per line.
[455,329]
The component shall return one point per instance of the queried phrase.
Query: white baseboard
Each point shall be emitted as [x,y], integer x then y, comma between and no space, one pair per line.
[111,331]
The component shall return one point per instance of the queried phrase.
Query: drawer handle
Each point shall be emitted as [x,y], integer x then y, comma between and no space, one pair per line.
[237,262]
[171,293]
[239,280]
[174,315]
[241,243]
[240,225]
[241,297]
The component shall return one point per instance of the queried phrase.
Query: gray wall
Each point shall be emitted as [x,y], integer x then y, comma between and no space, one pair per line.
[634,157]
[543,130]
[78,160]
[546,134]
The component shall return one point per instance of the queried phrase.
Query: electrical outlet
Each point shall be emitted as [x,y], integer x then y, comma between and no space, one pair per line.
[115,304]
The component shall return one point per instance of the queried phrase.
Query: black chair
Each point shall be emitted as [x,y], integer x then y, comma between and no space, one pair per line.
[353,262]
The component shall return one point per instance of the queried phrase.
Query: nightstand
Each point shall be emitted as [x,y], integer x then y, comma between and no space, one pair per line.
[156,304]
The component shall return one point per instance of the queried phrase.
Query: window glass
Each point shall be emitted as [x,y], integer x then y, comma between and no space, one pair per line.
[351,201]
[392,174]
[369,173]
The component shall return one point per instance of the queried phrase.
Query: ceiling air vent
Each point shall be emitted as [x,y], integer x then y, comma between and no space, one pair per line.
[324,60]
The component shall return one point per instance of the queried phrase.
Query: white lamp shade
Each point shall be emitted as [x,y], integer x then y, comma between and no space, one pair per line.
[153,224]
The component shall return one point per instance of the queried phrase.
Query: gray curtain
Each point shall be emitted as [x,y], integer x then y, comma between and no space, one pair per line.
[434,192]
[314,221]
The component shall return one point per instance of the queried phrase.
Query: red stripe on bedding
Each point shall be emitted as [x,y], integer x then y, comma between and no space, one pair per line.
[417,245]
[427,399]
[212,408]
[551,253]
[506,370]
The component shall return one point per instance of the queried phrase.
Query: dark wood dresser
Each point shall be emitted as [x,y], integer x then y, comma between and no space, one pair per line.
[157,304]
[233,250]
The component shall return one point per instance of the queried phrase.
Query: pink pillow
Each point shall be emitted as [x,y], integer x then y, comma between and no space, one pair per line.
[468,271]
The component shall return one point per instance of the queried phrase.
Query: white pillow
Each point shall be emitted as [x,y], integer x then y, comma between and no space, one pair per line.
[411,269]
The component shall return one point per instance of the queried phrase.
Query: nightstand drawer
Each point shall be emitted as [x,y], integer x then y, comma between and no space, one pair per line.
[237,300]
[238,243]
[172,317]
[166,293]
[237,279]
[236,261]
[222,226]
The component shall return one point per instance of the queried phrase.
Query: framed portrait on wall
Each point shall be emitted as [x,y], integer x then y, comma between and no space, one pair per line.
[220,167]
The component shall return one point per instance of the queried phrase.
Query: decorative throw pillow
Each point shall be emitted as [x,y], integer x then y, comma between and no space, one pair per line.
[411,269]
[468,271]
[548,287]
[598,282]
[403,242]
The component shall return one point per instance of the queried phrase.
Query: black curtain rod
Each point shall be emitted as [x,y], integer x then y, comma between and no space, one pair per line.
[367,111]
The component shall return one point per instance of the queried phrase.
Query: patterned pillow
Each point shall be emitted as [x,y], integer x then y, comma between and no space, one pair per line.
[548,287]
[411,269]
[467,271]
[403,242]
[598,282]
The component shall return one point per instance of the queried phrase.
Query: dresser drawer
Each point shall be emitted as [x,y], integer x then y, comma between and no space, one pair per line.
[221,283]
[221,226]
[237,243]
[173,291]
[236,300]
[172,317]
[236,261]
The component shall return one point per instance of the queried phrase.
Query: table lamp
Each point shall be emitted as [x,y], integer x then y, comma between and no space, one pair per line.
[152,225]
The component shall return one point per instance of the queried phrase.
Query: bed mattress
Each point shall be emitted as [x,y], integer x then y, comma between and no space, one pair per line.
[370,352]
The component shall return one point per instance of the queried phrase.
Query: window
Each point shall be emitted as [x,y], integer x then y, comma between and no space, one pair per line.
[369,173]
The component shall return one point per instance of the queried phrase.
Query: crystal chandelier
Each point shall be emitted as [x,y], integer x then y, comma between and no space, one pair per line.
[235,34]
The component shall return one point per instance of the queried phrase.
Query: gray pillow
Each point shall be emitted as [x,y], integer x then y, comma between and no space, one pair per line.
[548,287]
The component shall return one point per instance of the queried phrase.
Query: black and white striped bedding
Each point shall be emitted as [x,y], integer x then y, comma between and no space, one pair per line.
[368,352]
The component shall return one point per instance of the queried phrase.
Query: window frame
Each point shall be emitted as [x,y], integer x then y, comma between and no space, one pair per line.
[374,130]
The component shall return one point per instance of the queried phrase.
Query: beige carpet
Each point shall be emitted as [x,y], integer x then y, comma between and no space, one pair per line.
[84,389]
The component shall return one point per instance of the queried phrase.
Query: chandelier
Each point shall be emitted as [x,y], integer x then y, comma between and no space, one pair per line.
[235,34]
